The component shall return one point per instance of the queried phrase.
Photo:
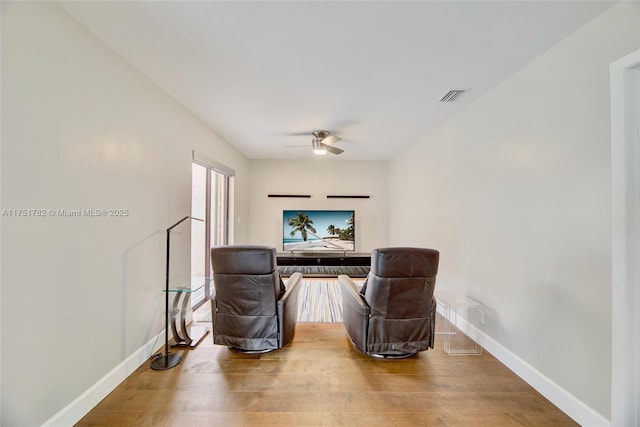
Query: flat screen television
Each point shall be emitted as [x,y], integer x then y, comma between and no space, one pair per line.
[318,230]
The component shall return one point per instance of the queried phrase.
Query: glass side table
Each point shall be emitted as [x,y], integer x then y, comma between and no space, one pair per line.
[183,335]
[453,304]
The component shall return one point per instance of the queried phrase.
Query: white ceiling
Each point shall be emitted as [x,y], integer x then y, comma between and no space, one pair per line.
[371,72]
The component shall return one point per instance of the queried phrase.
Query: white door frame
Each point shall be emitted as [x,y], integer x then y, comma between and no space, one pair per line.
[625,267]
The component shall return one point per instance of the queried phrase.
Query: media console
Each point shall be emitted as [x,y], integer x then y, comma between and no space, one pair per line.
[324,265]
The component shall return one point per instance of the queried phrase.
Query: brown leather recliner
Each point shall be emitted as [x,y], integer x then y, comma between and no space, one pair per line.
[393,315]
[252,309]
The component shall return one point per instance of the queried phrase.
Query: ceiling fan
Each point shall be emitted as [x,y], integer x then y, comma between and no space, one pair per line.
[322,143]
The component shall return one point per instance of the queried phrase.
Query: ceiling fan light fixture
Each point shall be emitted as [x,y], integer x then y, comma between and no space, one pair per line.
[318,148]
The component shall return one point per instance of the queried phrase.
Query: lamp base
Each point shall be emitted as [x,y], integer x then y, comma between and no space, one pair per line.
[167,361]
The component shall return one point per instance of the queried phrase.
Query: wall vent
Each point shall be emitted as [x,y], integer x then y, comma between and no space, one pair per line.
[453,95]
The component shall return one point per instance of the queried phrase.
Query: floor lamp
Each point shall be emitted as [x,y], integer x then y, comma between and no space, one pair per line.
[168,360]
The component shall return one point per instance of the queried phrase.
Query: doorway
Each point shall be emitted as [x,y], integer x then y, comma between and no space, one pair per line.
[625,265]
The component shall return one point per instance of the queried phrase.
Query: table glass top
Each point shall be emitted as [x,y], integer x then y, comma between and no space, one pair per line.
[193,284]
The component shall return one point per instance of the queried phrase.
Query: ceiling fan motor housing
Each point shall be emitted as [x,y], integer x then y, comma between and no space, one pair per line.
[320,134]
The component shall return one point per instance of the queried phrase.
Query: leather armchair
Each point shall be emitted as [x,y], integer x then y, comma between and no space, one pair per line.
[393,315]
[252,309]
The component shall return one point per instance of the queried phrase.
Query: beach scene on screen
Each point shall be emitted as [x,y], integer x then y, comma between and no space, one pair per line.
[309,230]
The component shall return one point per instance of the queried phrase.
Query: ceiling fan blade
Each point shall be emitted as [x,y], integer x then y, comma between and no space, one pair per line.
[305,133]
[334,150]
[331,139]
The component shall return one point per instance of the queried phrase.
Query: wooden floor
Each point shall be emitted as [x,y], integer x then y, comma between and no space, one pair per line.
[320,380]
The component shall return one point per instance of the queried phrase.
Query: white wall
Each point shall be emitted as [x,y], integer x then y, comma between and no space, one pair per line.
[319,177]
[82,129]
[515,193]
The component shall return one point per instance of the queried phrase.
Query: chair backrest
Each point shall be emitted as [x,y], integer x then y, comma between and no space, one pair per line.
[401,282]
[246,279]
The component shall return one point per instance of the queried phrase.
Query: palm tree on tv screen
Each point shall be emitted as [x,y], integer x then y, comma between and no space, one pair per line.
[302,223]
[347,233]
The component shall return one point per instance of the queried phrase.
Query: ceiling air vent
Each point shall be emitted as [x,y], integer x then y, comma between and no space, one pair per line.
[453,95]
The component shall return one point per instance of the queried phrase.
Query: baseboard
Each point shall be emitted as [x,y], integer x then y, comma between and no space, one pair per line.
[81,406]
[568,403]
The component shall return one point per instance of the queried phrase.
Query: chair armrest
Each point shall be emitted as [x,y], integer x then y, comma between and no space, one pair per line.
[288,309]
[350,291]
[292,285]
[355,312]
